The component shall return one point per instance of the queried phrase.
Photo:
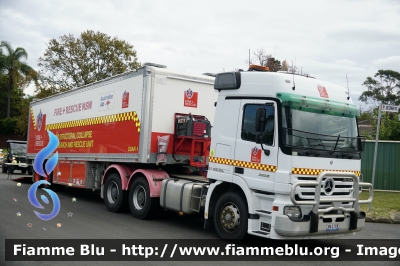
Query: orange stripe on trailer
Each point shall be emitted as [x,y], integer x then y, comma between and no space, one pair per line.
[250,165]
[310,171]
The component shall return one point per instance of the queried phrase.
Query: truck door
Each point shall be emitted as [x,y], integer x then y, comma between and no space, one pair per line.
[256,163]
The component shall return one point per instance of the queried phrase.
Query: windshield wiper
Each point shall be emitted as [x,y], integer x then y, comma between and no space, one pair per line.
[350,149]
[335,145]
[315,145]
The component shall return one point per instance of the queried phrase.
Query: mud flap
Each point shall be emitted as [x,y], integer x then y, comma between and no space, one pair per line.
[353,220]
[313,222]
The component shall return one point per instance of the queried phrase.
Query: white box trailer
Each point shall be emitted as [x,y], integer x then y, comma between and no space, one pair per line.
[120,118]
[117,120]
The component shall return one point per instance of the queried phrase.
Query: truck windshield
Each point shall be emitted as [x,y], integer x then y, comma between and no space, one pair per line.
[18,149]
[318,127]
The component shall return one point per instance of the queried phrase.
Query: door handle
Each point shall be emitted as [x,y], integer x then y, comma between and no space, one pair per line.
[239,170]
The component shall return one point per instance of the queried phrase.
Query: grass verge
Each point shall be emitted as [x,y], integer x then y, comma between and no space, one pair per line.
[384,204]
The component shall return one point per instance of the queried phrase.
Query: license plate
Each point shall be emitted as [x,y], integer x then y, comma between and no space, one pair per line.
[332,227]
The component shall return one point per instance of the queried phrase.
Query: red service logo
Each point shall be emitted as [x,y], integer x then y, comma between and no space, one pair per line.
[190,98]
[39,120]
[322,91]
[39,133]
[125,100]
[255,155]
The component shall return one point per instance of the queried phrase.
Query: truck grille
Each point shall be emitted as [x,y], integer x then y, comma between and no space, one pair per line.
[342,187]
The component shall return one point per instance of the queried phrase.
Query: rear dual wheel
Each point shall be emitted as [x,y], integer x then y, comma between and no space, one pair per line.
[114,196]
[142,206]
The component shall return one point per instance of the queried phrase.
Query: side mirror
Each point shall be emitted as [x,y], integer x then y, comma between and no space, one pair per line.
[259,140]
[260,119]
[259,137]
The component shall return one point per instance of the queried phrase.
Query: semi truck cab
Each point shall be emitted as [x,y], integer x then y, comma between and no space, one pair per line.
[284,158]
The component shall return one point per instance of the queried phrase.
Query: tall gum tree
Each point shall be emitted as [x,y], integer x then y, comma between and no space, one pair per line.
[384,88]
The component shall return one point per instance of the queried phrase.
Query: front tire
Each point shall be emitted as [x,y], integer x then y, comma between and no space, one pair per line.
[231,217]
[142,206]
[114,197]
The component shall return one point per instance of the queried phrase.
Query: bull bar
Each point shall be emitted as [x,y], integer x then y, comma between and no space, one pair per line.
[336,201]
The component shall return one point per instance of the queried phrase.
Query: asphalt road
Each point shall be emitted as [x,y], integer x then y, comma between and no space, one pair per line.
[91,220]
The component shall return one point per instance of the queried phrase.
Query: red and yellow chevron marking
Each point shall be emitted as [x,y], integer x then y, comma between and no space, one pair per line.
[93,121]
[309,171]
[258,166]
[33,119]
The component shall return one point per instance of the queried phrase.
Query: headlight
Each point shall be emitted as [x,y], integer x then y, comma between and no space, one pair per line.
[294,212]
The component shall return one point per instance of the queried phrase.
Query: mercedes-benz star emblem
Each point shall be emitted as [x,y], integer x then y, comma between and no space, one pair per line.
[331,162]
[329,186]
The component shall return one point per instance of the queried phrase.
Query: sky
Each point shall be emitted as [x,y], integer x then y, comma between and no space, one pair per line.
[327,39]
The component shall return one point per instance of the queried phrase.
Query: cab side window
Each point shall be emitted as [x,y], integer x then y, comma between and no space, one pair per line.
[249,120]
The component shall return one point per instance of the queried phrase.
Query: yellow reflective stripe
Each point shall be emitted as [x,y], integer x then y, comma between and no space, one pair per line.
[251,165]
[309,171]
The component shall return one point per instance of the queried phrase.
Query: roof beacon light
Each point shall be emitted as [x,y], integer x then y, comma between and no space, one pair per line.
[258,68]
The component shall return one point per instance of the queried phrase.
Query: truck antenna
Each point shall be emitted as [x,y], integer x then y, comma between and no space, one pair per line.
[249,58]
[294,85]
[348,90]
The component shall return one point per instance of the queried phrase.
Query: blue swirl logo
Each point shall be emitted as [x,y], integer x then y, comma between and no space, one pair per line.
[49,167]
[42,155]
[33,200]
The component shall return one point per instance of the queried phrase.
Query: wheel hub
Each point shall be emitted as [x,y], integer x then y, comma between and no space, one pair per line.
[139,197]
[230,217]
[112,192]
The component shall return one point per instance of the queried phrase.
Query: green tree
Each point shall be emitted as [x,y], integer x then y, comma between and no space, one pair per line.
[390,126]
[14,69]
[73,62]
[383,88]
